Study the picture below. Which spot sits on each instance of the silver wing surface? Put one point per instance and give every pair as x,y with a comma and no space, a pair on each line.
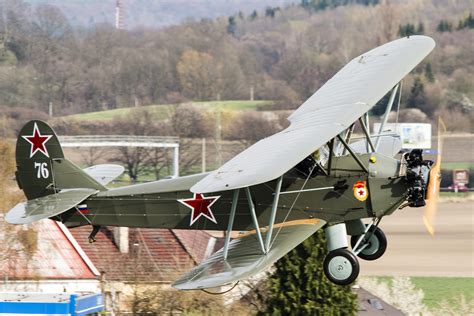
353,91
104,173
47,206
245,257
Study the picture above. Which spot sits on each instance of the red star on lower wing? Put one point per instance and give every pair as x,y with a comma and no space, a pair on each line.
200,205
37,141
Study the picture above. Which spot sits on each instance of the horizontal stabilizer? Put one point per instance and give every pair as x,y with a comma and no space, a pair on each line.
104,173
47,206
245,257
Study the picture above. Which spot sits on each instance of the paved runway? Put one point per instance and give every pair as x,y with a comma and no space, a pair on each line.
411,251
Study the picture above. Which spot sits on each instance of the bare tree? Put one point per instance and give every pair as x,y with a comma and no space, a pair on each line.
134,159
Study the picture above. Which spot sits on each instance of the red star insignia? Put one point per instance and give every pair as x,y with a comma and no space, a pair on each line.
37,141
200,206
361,192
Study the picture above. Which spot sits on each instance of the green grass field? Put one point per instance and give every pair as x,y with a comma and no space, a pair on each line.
457,165
441,289
438,290
162,111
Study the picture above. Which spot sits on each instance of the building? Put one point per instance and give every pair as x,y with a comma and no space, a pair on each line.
57,264
133,259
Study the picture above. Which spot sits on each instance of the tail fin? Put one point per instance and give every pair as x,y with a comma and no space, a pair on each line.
41,167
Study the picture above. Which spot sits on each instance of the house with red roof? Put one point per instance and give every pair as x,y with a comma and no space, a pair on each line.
128,258
120,260
58,264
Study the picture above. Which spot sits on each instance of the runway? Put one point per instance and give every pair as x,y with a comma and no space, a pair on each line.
412,251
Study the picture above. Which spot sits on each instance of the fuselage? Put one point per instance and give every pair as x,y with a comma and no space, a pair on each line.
347,193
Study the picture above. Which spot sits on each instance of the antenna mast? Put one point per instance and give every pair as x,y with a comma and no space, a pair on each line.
119,15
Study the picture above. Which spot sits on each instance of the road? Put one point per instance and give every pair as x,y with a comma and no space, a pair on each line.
411,251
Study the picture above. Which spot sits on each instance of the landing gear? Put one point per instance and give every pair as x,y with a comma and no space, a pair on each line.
372,246
95,230
341,266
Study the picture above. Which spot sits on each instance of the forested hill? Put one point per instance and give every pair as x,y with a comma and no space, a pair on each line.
144,13
281,54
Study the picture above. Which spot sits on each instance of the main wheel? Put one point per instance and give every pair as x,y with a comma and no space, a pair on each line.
377,244
341,267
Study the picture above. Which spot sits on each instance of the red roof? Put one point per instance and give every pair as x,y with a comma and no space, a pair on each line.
55,258
154,254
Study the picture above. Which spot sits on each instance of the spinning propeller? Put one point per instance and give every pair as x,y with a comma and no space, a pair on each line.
432,192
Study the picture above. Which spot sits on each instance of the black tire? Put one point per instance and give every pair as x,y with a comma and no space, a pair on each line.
341,267
377,245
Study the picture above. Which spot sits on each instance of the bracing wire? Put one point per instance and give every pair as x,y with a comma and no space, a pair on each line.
293,204
149,252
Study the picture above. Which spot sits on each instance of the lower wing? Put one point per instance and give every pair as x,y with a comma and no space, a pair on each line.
245,257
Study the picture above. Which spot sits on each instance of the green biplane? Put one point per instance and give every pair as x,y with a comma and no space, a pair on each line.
278,192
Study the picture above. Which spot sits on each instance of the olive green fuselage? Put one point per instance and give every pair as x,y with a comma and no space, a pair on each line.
328,197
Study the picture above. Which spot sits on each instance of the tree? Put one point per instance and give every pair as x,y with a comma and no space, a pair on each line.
406,30
198,75
420,29
139,123
444,26
429,72
249,127
188,123
231,25
254,15
271,11
298,285
417,98
467,22
16,241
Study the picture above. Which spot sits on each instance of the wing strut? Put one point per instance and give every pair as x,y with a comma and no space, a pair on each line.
273,214
254,219
349,149
387,112
367,135
265,247
235,200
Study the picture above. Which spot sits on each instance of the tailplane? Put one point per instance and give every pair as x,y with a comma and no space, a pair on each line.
41,167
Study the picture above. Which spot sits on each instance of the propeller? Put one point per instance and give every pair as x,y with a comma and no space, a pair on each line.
432,192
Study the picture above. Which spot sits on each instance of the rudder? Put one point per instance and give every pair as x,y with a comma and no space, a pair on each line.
36,146
41,167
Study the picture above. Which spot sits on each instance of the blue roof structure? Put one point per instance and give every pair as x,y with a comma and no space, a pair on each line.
50,303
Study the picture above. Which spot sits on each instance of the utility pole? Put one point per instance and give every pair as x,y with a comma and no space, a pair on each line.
251,93
217,135
50,109
203,157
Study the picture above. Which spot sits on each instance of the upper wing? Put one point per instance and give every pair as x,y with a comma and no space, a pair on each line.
47,206
332,109
104,173
245,257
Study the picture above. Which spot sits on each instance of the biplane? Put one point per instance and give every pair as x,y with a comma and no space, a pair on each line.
314,174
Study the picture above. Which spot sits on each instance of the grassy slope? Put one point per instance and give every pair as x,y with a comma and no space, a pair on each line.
162,110
439,289
458,165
